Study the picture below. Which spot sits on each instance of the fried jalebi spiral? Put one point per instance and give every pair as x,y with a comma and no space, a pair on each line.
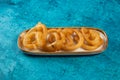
92,39
29,41
35,37
51,45
70,44
58,39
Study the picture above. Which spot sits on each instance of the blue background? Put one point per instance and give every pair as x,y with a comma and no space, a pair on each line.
19,15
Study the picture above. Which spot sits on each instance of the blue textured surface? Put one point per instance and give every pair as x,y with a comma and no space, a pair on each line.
18,15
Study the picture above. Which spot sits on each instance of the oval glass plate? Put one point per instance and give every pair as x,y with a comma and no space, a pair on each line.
79,51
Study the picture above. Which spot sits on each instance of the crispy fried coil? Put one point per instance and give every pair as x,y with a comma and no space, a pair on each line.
92,39
70,43
36,37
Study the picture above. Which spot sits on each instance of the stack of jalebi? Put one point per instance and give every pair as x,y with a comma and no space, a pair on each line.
61,39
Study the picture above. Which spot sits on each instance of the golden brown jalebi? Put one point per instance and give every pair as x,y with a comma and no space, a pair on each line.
35,37
92,39
70,43
29,41
52,45
56,39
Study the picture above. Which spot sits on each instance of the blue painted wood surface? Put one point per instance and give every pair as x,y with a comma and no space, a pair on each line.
19,15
